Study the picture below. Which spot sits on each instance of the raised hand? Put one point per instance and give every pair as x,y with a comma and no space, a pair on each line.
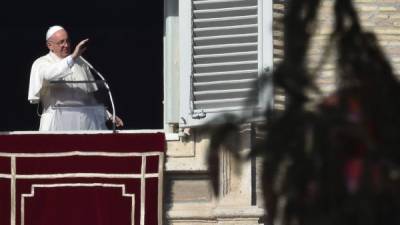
80,48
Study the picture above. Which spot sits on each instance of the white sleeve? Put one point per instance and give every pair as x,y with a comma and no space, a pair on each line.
44,70
55,71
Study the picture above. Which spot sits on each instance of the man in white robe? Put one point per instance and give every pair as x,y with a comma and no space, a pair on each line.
66,106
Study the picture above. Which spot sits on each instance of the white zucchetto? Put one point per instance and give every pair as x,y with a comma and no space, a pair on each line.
52,30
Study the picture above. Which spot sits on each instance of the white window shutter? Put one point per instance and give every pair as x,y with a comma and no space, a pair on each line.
225,46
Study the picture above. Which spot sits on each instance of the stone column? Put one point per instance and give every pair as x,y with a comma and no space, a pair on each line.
237,187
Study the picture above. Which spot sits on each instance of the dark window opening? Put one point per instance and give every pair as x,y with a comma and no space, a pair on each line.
125,46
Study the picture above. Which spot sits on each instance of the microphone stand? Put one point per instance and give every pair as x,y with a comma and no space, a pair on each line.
108,91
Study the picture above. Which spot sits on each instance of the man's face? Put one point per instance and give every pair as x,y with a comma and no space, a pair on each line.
59,44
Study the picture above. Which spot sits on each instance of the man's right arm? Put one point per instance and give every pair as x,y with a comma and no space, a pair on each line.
55,71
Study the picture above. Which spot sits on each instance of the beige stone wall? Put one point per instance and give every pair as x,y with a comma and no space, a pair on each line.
383,17
379,16
189,199
278,11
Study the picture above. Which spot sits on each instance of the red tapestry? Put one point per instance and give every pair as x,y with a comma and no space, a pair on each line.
81,179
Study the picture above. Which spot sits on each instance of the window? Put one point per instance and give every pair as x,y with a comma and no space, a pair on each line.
215,51
125,46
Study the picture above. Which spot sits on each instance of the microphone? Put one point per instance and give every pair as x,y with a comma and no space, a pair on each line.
107,87
86,62
97,72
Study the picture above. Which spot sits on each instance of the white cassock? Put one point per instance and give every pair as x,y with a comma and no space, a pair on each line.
66,106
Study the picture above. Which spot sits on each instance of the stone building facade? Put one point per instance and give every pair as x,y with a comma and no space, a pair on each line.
189,197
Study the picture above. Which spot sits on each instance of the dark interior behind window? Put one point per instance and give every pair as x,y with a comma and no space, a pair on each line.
125,46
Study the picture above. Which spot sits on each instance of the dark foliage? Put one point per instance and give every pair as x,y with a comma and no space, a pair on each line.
336,162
